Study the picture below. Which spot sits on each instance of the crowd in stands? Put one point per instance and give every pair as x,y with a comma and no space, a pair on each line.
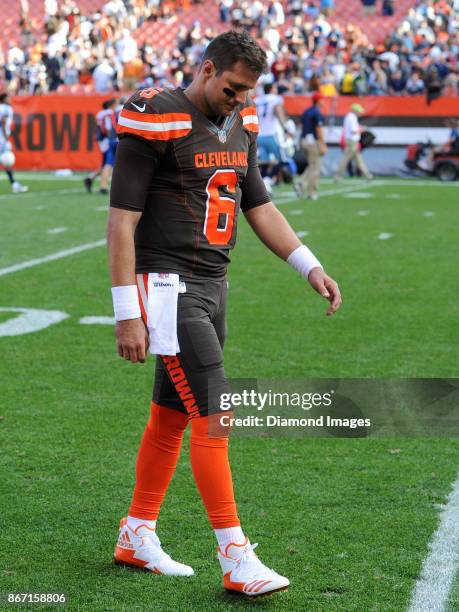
307,50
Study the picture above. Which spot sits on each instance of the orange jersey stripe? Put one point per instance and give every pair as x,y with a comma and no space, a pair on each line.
166,135
250,110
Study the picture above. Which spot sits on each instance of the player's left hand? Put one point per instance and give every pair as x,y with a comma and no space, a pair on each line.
327,288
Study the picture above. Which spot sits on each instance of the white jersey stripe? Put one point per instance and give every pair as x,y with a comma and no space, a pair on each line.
155,127
249,119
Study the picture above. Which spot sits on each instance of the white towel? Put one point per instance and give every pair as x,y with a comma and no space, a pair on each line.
163,290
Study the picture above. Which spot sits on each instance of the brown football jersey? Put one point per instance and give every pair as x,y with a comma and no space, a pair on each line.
189,176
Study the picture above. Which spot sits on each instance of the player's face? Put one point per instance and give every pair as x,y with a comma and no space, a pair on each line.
228,90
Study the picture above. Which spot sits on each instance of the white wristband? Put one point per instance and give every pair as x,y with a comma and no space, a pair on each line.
303,261
126,302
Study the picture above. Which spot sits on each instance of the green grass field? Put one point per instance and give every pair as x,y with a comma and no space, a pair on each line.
348,521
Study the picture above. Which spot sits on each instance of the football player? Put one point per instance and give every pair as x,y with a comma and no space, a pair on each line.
186,165
108,141
271,116
7,157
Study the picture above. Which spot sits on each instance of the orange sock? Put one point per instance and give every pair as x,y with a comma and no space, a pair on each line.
212,473
158,455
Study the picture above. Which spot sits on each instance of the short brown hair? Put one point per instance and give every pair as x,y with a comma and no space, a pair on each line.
231,47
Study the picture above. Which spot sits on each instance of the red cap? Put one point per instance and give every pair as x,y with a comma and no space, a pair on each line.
316,96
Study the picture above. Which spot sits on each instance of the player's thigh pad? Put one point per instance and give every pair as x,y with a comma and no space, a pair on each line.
200,358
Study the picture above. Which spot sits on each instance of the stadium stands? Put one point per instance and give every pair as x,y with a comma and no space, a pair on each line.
60,46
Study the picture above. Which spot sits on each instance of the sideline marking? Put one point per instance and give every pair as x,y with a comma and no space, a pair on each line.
97,320
393,196
441,564
57,230
59,255
290,196
36,194
359,195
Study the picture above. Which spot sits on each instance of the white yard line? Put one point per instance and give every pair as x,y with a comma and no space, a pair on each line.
97,320
286,197
440,567
414,183
349,187
37,194
59,255
57,230
44,176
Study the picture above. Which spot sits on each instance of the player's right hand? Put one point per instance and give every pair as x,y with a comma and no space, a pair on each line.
132,340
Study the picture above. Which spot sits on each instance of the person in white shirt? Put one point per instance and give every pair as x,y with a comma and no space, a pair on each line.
352,131
126,47
271,113
7,157
103,77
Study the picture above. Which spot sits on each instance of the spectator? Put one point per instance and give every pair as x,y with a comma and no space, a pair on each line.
415,85
276,13
309,53
433,83
126,47
388,8
54,71
377,81
311,9
225,10
326,7
397,83
369,7
104,75
451,84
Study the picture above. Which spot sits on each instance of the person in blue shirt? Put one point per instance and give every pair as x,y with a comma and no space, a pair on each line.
313,144
453,141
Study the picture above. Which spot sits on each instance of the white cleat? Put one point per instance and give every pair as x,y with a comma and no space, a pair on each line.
18,188
141,548
298,188
268,184
244,573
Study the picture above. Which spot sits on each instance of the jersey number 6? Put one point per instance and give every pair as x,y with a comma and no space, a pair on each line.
220,209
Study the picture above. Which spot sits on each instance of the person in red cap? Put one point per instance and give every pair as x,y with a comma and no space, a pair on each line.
313,144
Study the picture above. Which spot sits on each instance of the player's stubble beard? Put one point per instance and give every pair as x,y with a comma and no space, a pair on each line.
215,109
218,107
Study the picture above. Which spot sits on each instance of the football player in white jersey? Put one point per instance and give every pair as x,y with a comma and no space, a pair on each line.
7,157
271,113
